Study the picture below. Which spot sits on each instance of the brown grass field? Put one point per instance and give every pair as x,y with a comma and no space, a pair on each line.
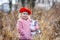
49,24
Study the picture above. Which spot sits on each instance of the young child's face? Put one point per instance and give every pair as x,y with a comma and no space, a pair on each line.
25,15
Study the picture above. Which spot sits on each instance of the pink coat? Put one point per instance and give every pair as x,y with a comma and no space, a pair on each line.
23,27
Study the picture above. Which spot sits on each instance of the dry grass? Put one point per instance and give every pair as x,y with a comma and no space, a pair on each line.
47,24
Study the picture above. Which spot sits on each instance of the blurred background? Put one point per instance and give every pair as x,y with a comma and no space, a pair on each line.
46,12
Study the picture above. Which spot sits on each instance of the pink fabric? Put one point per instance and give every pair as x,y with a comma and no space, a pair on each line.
23,27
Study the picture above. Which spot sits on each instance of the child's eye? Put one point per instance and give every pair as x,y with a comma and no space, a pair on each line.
25,13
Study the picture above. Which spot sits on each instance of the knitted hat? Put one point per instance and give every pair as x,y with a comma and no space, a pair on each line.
23,9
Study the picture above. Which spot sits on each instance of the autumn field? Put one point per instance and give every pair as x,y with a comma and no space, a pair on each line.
49,24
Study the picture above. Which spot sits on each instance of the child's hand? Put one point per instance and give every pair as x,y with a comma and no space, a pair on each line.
21,34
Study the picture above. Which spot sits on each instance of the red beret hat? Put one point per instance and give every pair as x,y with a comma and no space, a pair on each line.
23,9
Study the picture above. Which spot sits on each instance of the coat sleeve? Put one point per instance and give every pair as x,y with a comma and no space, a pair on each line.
20,27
